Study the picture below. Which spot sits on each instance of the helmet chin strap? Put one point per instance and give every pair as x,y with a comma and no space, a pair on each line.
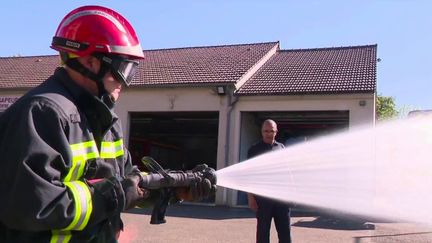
97,78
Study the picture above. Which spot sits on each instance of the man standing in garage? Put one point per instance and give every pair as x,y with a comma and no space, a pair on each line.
267,209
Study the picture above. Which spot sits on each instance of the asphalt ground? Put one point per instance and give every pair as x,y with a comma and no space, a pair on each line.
217,224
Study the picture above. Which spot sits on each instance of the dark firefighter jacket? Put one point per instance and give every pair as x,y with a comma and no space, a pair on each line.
53,141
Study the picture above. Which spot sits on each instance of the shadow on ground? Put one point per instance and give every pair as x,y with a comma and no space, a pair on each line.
313,219
201,212
214,212
325,222
337,220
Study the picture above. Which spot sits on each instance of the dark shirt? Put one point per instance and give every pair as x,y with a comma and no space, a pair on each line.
261,147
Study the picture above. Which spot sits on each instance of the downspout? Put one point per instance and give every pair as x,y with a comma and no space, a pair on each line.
232,100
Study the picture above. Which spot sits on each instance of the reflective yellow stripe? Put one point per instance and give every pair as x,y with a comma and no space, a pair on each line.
60,236
111,150
83,205
81,152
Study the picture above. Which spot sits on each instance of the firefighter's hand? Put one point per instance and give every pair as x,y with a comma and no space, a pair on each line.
252,203
134,195
203,187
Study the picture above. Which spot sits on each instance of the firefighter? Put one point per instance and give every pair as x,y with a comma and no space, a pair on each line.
65,175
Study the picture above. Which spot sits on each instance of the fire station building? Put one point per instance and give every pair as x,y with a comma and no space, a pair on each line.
195,105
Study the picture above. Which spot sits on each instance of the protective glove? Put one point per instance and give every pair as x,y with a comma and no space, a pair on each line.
252,202
202,187
155,196
134,195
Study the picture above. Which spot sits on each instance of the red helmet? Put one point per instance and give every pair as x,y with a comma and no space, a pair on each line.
95,29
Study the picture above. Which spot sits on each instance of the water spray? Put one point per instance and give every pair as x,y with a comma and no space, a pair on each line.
384,171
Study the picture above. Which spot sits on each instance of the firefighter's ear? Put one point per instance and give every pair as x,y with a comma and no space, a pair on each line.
94,64
90,62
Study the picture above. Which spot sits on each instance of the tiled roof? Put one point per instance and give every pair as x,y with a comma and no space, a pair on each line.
316,71
324,70
193,66
200,65
26,72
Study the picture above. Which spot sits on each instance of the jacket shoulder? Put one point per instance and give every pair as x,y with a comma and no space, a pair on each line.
51,94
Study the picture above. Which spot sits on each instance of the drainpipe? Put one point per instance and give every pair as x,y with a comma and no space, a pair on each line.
232,100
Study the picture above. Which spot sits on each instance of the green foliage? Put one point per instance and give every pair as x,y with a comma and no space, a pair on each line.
385,108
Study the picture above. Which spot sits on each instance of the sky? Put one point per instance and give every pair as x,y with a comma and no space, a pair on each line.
402,29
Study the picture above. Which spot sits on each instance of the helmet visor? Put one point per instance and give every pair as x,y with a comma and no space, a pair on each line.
122,69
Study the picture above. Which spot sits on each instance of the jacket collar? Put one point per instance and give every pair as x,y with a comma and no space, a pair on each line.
91,105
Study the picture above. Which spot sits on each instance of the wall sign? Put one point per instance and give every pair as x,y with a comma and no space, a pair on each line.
5,102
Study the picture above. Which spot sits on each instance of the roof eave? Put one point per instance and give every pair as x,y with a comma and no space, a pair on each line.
303,93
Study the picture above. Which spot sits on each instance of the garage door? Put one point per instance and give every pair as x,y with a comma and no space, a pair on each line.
177,140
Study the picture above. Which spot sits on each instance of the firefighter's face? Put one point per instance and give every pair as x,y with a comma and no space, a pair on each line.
268,132
112,85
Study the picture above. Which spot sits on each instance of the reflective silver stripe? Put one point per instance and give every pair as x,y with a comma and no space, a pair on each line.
81,152
129,50
83,205
115,21
60,236
110,150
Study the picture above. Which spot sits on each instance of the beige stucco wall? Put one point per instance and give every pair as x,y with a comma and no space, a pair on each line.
359,115
206,99
175,99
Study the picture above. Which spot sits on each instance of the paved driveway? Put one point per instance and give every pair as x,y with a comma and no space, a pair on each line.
209,224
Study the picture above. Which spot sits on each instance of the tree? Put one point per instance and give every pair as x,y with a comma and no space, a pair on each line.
385,108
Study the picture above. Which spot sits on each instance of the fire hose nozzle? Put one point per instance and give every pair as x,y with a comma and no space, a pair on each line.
160,178
173,184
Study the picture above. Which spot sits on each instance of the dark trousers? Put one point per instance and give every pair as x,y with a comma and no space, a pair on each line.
268,210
